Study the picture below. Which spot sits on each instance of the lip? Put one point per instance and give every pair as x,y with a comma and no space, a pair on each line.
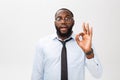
63,29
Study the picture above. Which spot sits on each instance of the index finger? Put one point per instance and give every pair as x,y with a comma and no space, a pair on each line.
84,29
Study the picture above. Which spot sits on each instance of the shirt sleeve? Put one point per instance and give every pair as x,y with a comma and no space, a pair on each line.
94,66
37,72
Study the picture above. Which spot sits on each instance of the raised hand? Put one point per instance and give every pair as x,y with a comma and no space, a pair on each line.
84,39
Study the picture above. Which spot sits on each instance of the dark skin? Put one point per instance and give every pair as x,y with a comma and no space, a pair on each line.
64,22
64,27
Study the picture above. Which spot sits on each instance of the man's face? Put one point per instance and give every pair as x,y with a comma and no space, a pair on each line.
64,22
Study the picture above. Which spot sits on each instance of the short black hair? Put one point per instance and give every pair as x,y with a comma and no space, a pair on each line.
65,10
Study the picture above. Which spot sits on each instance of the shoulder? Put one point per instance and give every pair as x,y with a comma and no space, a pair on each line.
45,39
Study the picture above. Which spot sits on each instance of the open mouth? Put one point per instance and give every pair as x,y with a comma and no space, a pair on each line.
63,28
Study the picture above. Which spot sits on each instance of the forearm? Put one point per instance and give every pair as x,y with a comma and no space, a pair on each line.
93,64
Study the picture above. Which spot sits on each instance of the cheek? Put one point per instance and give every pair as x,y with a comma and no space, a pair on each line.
57,24
70,25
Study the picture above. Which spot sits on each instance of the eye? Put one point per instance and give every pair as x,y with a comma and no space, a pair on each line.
67,19
58,19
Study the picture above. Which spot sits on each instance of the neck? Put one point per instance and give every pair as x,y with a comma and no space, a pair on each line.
63,37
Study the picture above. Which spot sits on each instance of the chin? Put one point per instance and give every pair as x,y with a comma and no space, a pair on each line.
64,32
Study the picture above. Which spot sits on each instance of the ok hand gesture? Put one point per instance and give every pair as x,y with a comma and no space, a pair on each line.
86,38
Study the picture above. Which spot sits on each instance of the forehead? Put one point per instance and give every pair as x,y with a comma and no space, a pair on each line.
63,13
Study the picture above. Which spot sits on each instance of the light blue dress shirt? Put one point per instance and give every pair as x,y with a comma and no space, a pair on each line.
47,61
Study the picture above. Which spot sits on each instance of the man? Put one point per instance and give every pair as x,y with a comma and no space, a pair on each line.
64,55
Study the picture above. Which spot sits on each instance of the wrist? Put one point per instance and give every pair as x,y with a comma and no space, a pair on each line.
89,52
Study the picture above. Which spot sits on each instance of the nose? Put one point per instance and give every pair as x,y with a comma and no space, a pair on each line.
63,21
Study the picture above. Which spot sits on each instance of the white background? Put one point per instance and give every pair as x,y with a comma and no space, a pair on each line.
24,22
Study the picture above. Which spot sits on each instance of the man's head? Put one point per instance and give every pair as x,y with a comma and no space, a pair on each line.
64,22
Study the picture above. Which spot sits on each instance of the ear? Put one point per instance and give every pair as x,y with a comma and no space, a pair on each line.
54,22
